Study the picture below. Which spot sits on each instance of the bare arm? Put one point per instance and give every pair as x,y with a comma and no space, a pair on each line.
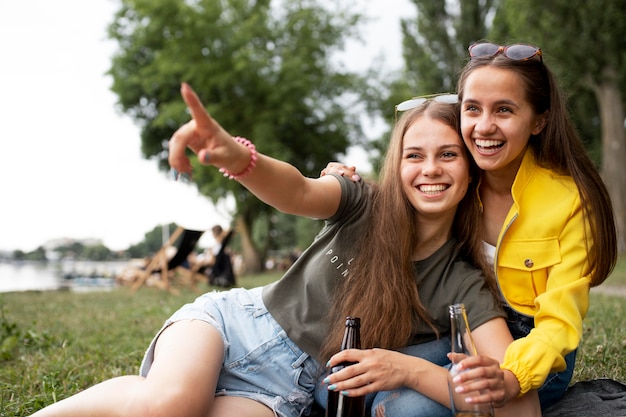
275,182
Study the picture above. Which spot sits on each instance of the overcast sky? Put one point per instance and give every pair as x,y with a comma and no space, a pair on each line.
70,165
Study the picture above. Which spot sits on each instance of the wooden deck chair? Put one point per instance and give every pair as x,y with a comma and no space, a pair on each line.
184,240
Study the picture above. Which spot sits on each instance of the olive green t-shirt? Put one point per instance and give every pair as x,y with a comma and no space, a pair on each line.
300,299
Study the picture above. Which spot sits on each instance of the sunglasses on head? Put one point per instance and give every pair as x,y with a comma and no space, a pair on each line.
516,52
418,101
414,102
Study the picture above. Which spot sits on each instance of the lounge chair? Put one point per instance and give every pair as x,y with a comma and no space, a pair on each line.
184,241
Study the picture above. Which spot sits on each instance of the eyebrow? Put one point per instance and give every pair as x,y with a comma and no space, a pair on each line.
439,148
497,102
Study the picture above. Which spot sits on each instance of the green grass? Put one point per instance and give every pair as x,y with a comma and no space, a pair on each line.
55,344
618,277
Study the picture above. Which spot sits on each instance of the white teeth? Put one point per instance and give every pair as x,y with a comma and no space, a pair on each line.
483,143
432,189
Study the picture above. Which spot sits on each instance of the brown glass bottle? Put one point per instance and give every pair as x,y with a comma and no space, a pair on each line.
340,405
462,343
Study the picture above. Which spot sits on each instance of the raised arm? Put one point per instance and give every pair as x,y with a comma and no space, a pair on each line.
277,183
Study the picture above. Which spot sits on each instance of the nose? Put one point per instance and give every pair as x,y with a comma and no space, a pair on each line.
485,124
431,167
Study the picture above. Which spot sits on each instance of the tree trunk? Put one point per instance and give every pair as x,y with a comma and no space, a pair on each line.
251,256
613,148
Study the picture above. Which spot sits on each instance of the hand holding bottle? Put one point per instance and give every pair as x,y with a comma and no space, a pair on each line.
373,370
483,376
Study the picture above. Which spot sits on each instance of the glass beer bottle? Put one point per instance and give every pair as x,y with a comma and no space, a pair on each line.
339,405
462,343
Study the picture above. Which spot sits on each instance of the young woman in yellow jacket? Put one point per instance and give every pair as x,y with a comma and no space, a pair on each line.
547,219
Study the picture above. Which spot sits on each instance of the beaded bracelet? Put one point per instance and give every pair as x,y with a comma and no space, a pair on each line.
251,165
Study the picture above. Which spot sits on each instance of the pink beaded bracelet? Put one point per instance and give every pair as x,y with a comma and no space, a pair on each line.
251,165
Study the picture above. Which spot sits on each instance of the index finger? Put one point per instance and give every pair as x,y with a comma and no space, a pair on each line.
198,112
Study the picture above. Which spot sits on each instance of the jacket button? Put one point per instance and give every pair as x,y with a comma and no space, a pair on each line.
529,263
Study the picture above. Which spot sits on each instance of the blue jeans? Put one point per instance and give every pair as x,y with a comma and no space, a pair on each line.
556,383
404,402
260,362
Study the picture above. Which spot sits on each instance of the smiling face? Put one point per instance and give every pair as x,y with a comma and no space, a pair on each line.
434,168
496,119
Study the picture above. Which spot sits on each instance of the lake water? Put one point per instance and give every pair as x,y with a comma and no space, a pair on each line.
45,276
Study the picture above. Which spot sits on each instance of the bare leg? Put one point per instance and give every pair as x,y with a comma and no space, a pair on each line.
182,380
238,406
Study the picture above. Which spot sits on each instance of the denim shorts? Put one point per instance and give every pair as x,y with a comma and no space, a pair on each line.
260,362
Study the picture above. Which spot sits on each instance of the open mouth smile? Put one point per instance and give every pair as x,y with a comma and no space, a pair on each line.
488,146
432,189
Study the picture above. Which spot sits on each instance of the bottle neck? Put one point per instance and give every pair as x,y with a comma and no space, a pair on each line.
459,331
352,334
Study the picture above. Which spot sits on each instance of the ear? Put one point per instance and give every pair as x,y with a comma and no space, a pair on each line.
540,123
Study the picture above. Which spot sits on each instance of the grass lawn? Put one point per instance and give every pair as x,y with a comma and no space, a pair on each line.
57,343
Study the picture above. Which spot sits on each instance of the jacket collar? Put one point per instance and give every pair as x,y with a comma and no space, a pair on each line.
524,173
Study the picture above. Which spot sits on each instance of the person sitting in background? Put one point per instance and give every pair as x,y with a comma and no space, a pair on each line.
221,273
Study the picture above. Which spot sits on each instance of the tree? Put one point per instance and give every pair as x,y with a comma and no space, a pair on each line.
152,243
434,48
585,44
96,253
264,72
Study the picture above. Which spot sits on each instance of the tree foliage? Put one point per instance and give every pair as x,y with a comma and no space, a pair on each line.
434,47
435,43
38,254
262,68
152,243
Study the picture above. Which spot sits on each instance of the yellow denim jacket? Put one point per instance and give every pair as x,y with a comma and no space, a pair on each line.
542,270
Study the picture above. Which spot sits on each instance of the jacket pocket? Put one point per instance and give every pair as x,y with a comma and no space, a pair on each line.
523,269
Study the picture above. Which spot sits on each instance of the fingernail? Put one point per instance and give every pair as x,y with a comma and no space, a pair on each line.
327,364
332,387
326,380
344,393
206,157
459,389
174,174
185,177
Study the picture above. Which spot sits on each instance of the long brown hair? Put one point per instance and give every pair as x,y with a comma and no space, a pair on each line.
558,147
381,287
